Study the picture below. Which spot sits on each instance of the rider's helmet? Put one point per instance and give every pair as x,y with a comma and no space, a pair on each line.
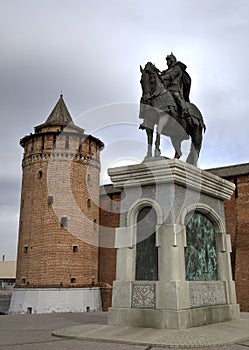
171,57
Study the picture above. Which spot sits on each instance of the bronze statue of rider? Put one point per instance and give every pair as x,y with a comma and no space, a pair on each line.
178,82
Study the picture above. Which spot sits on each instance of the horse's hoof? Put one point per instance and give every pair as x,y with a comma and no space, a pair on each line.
178,155
147,159
157,153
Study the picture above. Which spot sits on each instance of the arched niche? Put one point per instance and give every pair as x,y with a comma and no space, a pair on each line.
138,205
134,216
201,257
206,210
146,250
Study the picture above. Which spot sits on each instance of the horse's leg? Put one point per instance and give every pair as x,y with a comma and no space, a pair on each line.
149,133
162,122
157,145
196,141
176,142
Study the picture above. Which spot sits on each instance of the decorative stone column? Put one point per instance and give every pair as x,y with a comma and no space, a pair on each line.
173,189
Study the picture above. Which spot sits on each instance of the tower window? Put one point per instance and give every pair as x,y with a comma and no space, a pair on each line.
39,174
50,199
67,142
42,143
89,204
95,224
64,221
73,280
54,141
90,147
32,144
75,248
25,249
24,280
80,145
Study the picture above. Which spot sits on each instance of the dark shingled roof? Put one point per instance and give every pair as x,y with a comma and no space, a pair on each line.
60,114
60,117
230,170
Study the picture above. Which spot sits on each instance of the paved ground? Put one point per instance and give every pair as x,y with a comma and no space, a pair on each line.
26,332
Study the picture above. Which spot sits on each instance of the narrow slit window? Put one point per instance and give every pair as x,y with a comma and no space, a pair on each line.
64,221
67,142
32,144
42,143
54,141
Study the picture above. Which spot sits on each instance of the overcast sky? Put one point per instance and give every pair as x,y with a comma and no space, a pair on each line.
91,51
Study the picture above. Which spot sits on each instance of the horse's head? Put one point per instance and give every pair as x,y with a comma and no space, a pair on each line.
150,81
145,83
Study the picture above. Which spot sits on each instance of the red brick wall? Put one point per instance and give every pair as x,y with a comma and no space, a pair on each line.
237,221
109,220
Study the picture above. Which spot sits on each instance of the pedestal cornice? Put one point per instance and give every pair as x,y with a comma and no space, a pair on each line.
171,171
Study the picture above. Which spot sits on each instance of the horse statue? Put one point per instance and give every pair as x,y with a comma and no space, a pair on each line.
158,108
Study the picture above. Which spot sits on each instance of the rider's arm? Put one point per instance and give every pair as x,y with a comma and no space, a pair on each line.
175,73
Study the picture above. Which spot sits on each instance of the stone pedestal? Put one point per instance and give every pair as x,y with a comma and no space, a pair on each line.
173,189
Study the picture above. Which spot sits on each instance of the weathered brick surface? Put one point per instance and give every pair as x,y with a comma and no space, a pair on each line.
237,222
70,176
109,220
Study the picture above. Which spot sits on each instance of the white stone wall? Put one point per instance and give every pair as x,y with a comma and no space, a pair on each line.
55,300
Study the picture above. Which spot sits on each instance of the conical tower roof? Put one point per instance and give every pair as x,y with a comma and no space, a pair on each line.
59,116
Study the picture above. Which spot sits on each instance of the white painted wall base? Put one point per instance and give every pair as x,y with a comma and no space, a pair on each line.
55,300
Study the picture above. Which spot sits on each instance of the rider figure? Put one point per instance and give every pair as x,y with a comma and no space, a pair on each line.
178,82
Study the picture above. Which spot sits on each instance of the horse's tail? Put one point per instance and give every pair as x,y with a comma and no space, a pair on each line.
196,116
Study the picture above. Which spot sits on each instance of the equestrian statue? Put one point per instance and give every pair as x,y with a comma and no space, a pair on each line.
165,104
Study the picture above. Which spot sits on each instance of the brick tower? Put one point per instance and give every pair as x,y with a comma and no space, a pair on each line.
57,263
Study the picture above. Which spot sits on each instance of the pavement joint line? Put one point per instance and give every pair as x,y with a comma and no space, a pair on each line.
247,346
34,342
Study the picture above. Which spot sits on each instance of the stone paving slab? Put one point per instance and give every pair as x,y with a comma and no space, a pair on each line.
206,336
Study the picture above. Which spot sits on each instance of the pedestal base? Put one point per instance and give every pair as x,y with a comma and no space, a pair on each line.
194,285
172,319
